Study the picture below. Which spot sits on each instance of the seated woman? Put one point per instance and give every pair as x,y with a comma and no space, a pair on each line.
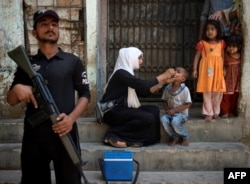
132,124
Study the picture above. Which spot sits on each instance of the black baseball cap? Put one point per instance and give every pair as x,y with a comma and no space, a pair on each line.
41,13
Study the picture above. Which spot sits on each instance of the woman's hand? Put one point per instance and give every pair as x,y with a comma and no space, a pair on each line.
164,78
168,76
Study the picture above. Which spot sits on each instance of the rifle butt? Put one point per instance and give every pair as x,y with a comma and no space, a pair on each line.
19,56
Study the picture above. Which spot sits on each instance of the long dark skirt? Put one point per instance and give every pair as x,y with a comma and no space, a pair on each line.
140,125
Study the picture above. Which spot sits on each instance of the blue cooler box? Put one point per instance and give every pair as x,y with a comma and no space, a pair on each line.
118,165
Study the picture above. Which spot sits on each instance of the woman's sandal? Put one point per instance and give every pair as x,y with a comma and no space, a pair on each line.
135,144
116,143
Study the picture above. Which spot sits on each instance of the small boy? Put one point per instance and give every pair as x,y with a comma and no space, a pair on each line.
177,101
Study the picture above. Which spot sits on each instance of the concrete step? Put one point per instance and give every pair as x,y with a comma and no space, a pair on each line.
213,147
198,156
221,130
95,177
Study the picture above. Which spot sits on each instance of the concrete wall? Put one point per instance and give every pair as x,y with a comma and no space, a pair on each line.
73,38
244,103
91,48
12,35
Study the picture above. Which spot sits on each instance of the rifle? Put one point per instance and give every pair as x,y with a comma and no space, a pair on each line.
46,102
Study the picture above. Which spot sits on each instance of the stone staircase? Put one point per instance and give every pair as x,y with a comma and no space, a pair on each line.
213,147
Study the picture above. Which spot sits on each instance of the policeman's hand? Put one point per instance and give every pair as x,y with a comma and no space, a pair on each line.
24,93
64,125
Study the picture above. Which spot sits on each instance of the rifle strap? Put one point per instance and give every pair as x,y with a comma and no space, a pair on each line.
83,175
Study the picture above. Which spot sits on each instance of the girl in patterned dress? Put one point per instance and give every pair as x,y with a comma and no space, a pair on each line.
232,66
208,68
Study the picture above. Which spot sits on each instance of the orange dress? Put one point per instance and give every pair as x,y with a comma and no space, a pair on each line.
210,77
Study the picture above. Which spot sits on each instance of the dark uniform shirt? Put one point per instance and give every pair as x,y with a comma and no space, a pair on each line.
63,73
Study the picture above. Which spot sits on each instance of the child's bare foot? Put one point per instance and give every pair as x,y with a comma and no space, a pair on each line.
172,142
185,142
232,115
216,116
225,116
208,118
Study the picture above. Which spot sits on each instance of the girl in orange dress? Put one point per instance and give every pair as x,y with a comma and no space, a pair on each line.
208,68
232,67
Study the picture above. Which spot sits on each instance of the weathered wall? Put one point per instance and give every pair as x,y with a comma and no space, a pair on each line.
244,104
71,24
73,38
91,48
12,35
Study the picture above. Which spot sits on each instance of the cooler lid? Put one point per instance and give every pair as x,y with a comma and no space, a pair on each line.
118,155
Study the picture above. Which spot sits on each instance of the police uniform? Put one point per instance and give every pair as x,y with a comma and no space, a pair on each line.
64,74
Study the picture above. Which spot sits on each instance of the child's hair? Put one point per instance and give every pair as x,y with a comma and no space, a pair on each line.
185,72
217,26
235,40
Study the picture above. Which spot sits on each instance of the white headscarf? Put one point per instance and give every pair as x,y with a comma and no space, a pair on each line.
128,59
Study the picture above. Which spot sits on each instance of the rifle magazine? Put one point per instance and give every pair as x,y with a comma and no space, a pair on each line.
38,118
